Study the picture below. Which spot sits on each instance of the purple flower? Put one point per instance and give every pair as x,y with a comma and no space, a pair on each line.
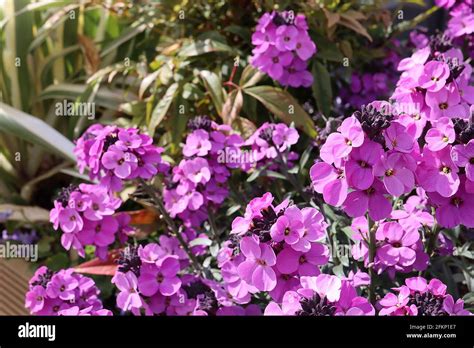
434,76
398,247
359,167
463,156
446,103
330,181
396,177
371,200
128,297
122,163
288,227
439,137
339,145
438,173
197,144
257,267
161,279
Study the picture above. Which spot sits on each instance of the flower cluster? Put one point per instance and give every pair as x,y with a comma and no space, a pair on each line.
198,181
271,248
420,298
461,22
322,295
283,48
377,83
268,144
153,281
113,154
398,249
86,216
63,293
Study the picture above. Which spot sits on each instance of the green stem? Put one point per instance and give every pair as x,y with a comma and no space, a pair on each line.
433,238
408,25
171,224
372,251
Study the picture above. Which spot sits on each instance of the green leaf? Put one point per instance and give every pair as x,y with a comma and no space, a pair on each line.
284,106
250,77
213,85
34,130
160,110
322,91
197,48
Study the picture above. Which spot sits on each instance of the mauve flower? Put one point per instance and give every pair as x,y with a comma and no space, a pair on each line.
324,285
454,308
339,145
397,138
446,103
396,177
455,209
290,305
441,135
330,181
197,144
351,304
286,37
35,298
162,278
417,59
257,267
284,136
122,163
372,200
288,227
196,170
359,167
397,304
437,172
128,298
461,25
463,156
398,247
434,76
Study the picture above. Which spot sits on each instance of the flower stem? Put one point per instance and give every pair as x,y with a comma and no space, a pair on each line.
157,201
372,251
433,237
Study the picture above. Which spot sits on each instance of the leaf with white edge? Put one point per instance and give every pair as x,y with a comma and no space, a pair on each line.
200,241
35,131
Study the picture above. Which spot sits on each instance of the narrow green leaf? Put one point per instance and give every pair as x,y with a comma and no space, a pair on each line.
213,85
284,106
160,110
197,48
322,91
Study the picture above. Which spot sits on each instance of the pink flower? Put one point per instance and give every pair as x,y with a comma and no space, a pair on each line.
122,163
434,76
446,103
361,161
288,227
290,305
257,268
324,285
399,245
371,199
162,278
128,298
417,59
396,177
438,173
339,145
314,228
463,156
397,138
441,135
397,304
454,210
453,308
197,144
330,181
